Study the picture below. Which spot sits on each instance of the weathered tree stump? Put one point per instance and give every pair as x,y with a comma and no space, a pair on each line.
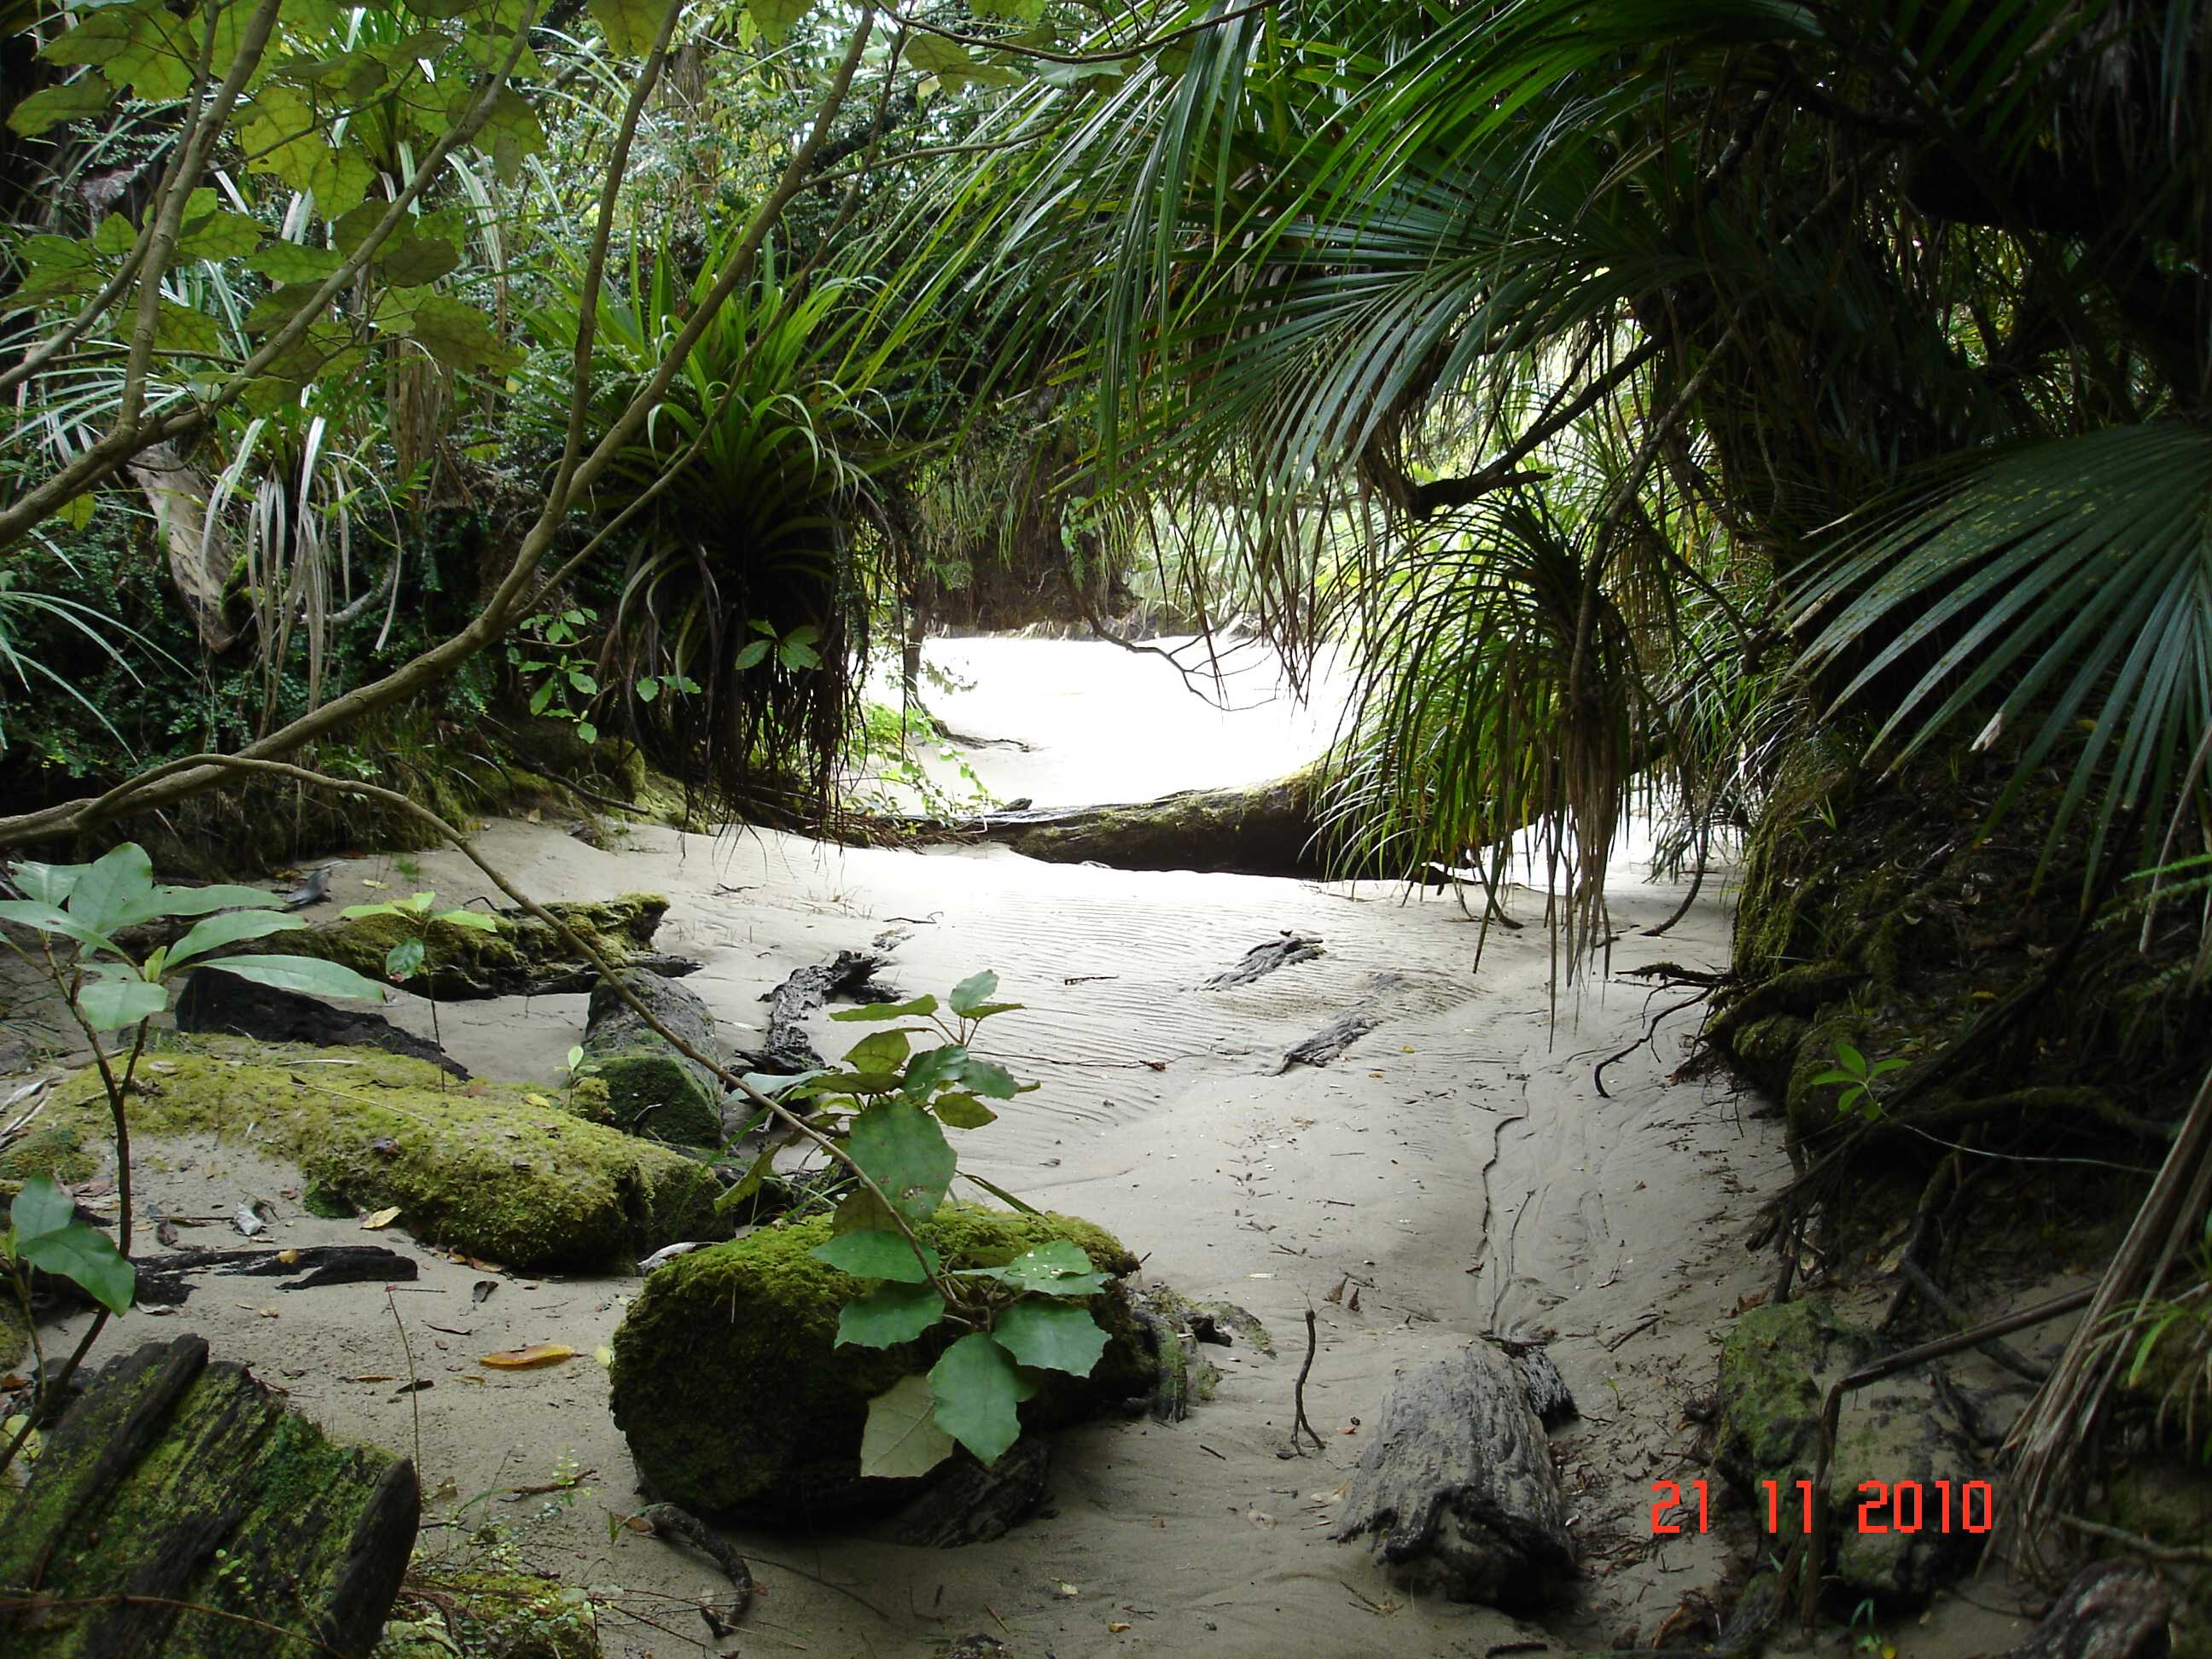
653,1090
2113,1610
1456,1487
180,1510
215,1001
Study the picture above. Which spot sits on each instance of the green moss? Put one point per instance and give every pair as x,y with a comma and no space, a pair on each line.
491,1173
653,1091
497,1614
473,962
68,1152
728,1381
14,1334
1770,1396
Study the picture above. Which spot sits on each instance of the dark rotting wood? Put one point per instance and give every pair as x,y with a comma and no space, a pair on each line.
224,1003
1456,1486
2112,1610
1265,959
163,1281
679,1525
850,974
1340,1034
180,1508
1541,1381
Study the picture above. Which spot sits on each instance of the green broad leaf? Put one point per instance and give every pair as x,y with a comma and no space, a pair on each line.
647,689
229,928
54,267
963,1111
774,18
1851,1058
511,134
475,920
902,1438
977,1388
972,993
863,1083
49,884
627,26
77,511
310,974
752,657
40,1208
797,1084
111,887
457,334
159,57
111,1005
878,1051
1012,1201
404,960
904,1151
584,683
87,1256
862,1211
174,902
933,1068
48,920
875,1012
219,235
586,732
888,1315
115,236
1054,1267
85,99
992,1082
409,261
1053,1338
1017,11
745,1189
186,332
277,308
1071,75
795,656
760,627
874,1254
288,262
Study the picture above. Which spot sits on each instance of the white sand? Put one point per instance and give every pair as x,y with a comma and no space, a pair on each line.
1456,1167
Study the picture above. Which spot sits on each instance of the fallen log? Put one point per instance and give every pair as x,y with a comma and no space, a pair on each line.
224,1003
1261,829
653,1089
1340,1033
163,1281
180,1509
1456,1487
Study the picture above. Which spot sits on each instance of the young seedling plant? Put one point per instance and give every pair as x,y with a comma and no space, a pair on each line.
80,912
1858,1075
406,958
1031,1315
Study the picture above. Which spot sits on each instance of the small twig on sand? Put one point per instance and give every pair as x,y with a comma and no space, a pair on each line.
1298,1394
670,1523
414,1384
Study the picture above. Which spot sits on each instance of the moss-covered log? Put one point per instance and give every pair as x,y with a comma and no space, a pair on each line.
652,1089
1261,830
517,956
503,1172
180,1509
735,1399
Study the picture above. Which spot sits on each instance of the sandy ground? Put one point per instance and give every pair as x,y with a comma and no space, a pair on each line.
1456,1169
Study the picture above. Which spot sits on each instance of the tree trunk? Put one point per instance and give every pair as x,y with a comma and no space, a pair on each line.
1262,829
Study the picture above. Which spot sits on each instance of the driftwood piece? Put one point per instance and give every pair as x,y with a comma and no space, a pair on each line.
2112,1610
1265,959
214,1001
653,1088
1340,1033
180,1509
1456,1487
850,974
164,1281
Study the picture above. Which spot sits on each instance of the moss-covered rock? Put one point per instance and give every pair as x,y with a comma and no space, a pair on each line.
495,1169
68,1152
492,1614
14,1334
735,1399
1776,1367
512,956
652,1089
